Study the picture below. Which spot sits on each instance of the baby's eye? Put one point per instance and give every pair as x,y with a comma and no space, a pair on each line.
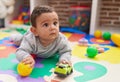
45,25
55,23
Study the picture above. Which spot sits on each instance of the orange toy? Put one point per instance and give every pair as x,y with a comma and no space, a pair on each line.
24,70
18,22
98,34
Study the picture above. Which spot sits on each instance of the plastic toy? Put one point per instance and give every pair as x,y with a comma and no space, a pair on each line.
21,30
23,17
77,21
79,18
116,39
97,34
71,30
100,49
24,70
17,22
72,20
63,70
106,35
83,42
92,51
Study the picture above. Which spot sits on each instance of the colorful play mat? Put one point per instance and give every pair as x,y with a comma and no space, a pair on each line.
105,67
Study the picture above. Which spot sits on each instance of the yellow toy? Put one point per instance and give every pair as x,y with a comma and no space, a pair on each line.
97,34
24,70
116,39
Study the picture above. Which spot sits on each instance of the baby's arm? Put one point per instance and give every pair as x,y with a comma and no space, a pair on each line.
65,51
24,51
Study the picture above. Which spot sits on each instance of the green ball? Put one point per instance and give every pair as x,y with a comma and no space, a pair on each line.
106,35
92,51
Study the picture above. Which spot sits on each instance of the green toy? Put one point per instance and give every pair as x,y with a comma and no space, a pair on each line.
63,70
21,30
92,51
106,35
71,20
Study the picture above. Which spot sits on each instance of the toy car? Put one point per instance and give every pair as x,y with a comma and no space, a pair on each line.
63,70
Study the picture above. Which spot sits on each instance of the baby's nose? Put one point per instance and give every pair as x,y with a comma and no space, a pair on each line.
53,26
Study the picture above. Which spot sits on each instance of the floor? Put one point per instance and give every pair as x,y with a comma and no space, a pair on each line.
105,67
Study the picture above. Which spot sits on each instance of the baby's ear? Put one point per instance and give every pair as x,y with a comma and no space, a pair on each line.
34,31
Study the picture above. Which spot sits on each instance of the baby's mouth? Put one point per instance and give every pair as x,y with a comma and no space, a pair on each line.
53,34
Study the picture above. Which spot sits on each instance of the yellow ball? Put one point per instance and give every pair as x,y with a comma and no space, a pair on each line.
24,70
97,34
116,39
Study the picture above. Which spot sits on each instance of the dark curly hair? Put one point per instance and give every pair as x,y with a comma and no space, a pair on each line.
38,11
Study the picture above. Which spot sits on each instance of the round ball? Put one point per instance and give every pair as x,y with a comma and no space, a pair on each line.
92,51
24,70
97,34
106,35
116,39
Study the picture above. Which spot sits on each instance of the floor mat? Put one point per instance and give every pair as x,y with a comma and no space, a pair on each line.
104,67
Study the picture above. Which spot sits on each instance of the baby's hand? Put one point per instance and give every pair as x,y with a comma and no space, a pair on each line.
66,62
29,60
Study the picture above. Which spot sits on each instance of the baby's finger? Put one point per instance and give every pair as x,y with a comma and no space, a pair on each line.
32,64
28,62
64,62
70,64
24,60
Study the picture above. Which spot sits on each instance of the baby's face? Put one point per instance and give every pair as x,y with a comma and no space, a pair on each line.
47,26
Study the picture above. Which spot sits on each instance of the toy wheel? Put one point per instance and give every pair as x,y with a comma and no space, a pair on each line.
67,74
71,70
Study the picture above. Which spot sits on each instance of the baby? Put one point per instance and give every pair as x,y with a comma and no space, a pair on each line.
43,39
